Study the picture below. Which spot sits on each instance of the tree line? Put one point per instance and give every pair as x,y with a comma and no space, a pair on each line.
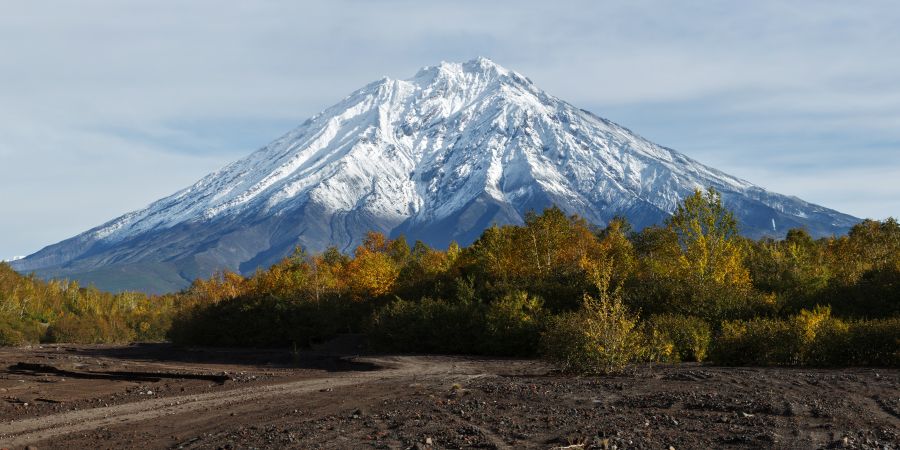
591,299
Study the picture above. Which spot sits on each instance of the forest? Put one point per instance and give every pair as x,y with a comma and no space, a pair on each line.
591,300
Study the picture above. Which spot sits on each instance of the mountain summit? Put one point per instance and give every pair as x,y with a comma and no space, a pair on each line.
436,157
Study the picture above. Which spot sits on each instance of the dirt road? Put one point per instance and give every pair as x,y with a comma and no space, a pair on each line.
50,427
160,397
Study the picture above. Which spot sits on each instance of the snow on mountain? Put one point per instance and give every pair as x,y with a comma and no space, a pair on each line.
438,157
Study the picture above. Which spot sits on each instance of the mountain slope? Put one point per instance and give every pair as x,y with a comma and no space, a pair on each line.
436,157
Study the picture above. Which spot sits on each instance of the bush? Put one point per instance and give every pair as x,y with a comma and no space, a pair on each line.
755,342
809,338
656,346
771,341
689,336
71,329
263,321
16,332
150,327
601,338
874,343
91,329
428,326
509,326
876,294
513,325
11,338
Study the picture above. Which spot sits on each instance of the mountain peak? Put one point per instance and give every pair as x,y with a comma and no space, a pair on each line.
479,65
477,72
437,157
484,65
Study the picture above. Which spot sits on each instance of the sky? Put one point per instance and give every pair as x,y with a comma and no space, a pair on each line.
107,105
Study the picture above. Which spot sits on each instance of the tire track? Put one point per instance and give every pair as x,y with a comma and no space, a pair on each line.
28,431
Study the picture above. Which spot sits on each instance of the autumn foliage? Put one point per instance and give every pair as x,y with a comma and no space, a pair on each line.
689,289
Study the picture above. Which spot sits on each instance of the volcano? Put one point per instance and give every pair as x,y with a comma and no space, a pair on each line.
437,157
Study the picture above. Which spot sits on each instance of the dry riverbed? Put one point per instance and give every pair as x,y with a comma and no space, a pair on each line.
158,396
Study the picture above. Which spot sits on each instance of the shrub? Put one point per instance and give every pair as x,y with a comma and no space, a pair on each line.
810,338
830,346
876,294
16,332
150,327
508,326
70,329
11,338
872,343
91,329
656,346
428,326
766,341
263,321
689,336
512,325
601,338
755,342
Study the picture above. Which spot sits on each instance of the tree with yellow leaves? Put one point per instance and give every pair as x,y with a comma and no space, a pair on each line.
695,264
707,232
372,272
712,280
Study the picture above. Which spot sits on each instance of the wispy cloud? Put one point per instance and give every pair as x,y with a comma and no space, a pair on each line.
107,105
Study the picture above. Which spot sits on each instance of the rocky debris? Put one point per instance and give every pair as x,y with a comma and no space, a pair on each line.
473,406
643,411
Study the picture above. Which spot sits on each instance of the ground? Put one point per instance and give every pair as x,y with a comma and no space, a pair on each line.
159,396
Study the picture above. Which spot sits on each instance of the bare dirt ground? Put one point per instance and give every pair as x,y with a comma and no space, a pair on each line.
157,396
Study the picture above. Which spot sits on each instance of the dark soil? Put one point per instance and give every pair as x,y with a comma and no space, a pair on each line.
156,396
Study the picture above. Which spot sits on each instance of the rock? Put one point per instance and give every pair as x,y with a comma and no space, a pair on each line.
428,441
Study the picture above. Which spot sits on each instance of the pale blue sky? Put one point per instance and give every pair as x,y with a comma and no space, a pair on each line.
107,105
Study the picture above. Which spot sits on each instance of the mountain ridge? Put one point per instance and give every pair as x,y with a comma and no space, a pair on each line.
437,157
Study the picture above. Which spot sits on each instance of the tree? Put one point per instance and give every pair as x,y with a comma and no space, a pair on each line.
792,269
615,245
372,272
707,234
870,244
695,265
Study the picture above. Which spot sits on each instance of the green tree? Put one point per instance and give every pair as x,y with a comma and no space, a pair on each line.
791,269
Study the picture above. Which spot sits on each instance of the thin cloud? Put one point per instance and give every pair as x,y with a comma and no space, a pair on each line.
111,104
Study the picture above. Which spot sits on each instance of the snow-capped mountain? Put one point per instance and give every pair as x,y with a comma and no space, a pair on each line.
437,157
